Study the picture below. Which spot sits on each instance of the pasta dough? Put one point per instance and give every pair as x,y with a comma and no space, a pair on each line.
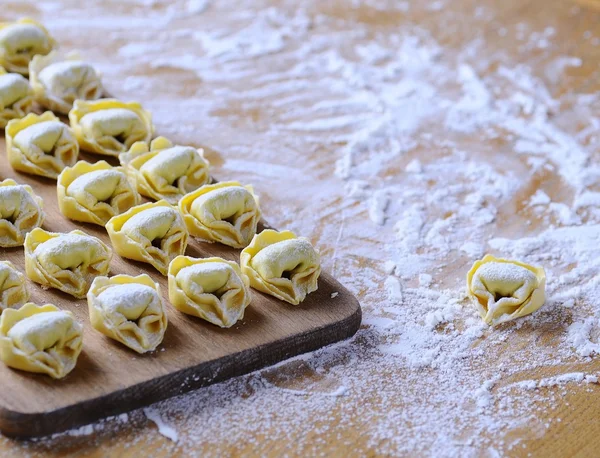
16,97
152,233
40,145
504,290
222,212
211,288
68,262
282,265
40,339
164,171
94,193
129,310
13,289
20,41
109,126
20,212
58,82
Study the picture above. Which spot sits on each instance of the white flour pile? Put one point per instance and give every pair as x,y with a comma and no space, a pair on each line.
404,160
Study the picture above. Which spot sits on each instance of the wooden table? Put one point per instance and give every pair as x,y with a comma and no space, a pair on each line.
241,121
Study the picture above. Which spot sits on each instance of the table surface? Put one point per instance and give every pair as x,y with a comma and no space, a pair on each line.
406,139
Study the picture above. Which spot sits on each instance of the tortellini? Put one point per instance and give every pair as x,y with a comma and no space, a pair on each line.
16,97
21,211
282,265
503,290
40,145
13,289
68,262
129,310
224,212
20,41
94,193
165,171
210,288
58,82
109,126
154,233
40,339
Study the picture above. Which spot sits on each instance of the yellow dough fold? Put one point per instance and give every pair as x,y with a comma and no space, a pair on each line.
213,289
282,265
40,339
13,287
65,261
21,211
94,193
16,97
129,310
20,41
153,233
40,145
503,290
109,126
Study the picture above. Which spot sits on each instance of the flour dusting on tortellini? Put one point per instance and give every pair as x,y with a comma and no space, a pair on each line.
129,310
13,287
94,193
20,41
16,97
282,265
40,145
21,211
40,339
68,262
210,288
503,290
154,233
58,82
162,170
224,212
109,126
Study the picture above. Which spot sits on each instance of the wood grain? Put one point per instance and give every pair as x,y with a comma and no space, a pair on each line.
110,379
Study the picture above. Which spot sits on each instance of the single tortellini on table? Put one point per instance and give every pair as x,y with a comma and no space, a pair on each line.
66,261
40,145
16,97
210,288
41,339
503,290
129,310
153,233
13,286
109,126
20,41
94,193
58,82
224,212
21,211
162,170
282,265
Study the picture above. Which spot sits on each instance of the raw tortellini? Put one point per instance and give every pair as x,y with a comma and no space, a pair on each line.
224,212
40,339
68,262
40,145
58,82
129,310
20,41
165,171
109,126
154,233
13,289
211,288
94,193
16,97
20,212
282,265
504,290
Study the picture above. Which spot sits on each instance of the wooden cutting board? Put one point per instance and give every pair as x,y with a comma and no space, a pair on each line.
110,379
